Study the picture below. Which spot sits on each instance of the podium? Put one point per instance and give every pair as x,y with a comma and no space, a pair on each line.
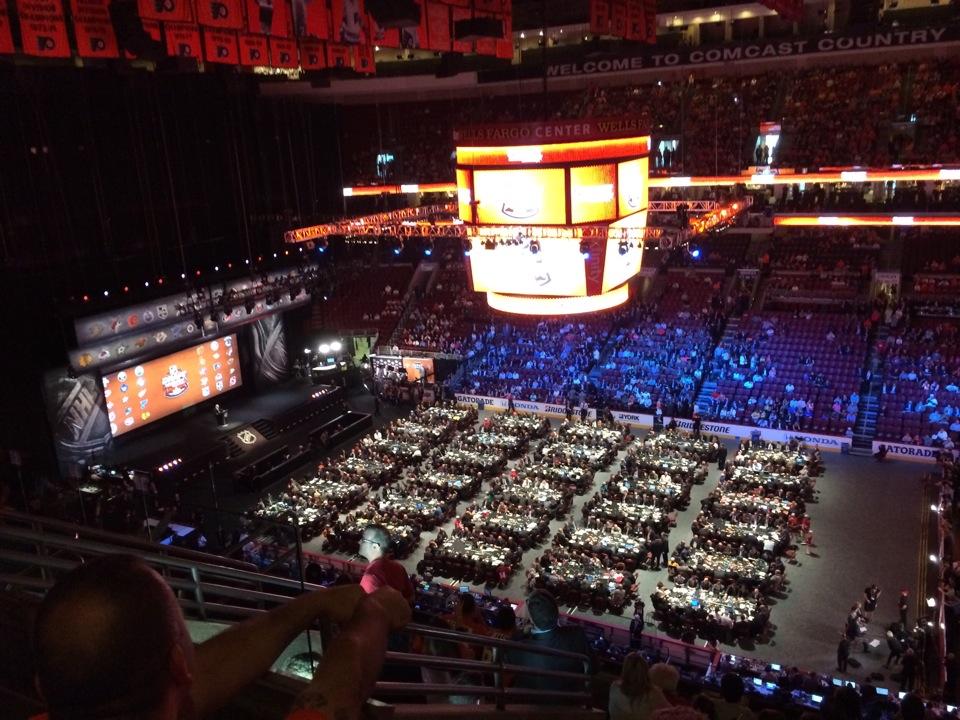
222,418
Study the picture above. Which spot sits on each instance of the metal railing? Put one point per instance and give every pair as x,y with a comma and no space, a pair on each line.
35,551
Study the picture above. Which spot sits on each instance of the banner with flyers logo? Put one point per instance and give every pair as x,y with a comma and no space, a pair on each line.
183,40
505,43
221,46
618,18
313,55
269,17
459,13
6,35
438,26
166,10
43,28
339,56
227,14
600,17
636,21
365,62
283,53
93,30
254,50
488,45
650,16
311,19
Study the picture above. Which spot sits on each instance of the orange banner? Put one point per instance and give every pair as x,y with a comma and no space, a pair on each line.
311,18
93,30
313,55
183,40
166,10
365,60
459,13
254,50
43,28
348,17
438,26
283,53
226,14
6,36
339,56
221,46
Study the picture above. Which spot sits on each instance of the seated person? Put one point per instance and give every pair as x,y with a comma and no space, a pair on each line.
110,641
546,633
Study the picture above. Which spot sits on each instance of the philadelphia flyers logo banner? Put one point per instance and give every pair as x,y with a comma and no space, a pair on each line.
226,14
6,37
339,56
43,29
166,10
254,50
313,55
93,30
183,40
283,53
311,18
221,47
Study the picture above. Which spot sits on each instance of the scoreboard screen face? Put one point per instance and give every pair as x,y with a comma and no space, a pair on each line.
632,185
592,193
557,270
619,267
520,197
464,195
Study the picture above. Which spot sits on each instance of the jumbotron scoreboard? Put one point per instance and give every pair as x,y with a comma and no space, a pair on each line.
555,213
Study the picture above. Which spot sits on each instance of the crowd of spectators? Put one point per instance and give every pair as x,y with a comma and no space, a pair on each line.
700,125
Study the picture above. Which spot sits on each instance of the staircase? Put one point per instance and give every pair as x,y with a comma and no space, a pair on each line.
420,286
265,428
709,385
865,427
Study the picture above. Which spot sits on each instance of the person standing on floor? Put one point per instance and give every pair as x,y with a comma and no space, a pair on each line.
843,653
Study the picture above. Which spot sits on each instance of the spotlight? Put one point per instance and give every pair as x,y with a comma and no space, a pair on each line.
324,348
322,245
306,351
931,602
428,248
932,507
106,293
695,252
534,246
933,558
336,346
622,247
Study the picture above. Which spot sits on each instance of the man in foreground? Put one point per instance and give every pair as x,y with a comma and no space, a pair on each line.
110,641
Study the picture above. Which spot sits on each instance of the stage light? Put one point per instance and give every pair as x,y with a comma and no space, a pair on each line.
336,346
216,268
86,298
695,252
931,602
935,508
126,288
933,558
247,261
306,351
322,245
106,293
198,273
324,348
183,276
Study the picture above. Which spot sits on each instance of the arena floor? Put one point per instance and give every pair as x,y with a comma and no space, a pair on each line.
867,528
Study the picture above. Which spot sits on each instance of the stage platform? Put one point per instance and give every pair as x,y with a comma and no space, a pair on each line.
259,424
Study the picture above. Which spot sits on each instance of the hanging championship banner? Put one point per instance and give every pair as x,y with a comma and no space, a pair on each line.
365,61
166,10
438,26
650,16
384,37
183,40
221,46
92,29
487,45
313,55
505,43
339,56
636,21
458,3
227,14
599,17
6,36
269,17
254,50
283,53
618,18
415,36
461,46
43,28
311,18
490,6
348,18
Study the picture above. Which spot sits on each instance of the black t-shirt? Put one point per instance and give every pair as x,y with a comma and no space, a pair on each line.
568,639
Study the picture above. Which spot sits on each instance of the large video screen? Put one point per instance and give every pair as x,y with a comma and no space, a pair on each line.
520,197
592,196
140,394
557,269
632,185
623,260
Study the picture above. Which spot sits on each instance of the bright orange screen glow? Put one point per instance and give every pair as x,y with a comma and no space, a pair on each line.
592,197
553,153
464,197
141,394
520,197
632,185
558,306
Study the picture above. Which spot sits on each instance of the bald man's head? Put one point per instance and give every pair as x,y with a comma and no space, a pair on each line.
104,638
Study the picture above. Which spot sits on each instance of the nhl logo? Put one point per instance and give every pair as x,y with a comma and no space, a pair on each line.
247,437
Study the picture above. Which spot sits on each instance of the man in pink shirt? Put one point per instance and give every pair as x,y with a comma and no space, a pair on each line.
383,570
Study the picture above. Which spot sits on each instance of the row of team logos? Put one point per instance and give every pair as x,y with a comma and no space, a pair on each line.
133,346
